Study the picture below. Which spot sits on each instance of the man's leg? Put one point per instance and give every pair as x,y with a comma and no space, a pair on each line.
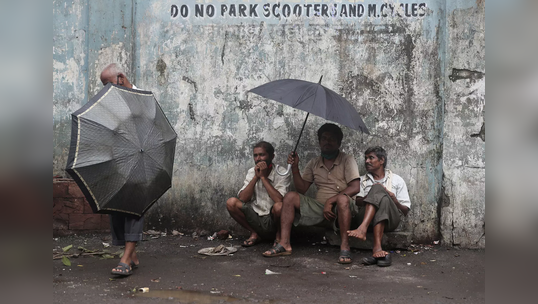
290,204
234,206
360,232
378,252
344,221
276,211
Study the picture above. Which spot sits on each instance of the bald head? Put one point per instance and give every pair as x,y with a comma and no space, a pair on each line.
114,74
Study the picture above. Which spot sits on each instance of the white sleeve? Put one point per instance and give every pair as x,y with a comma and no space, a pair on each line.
250,176
402,195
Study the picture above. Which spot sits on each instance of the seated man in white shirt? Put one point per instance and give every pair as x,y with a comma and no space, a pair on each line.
259,202
382,198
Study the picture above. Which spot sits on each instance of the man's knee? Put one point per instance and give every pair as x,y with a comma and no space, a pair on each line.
342,201
277,209
291,198
232,203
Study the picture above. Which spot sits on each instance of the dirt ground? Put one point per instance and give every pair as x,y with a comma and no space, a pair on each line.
174,272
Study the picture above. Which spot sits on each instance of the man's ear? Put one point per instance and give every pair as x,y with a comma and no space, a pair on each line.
121,79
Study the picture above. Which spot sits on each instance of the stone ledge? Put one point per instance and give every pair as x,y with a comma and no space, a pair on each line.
391,240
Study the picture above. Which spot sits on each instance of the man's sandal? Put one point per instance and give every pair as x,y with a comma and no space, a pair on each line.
133,265
122,270
251,242
277,250
384,261
345,257
369,261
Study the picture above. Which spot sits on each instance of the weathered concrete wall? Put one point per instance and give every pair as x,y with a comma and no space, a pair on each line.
464,155
393,69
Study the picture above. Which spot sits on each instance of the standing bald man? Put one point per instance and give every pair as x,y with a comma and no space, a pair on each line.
126,229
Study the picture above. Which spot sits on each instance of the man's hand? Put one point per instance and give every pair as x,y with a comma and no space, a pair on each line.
327,209
392,195
293,159
261,170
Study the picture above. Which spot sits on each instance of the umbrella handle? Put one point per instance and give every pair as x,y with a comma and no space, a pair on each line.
285,173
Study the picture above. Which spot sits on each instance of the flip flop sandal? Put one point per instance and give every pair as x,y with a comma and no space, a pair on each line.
277,250
251,242
122,270
369,261
384,261
345,257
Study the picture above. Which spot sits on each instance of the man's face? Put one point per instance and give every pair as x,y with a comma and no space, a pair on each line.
372,162
261,155
328,143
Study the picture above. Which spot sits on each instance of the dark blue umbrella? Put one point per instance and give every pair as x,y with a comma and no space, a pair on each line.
313,98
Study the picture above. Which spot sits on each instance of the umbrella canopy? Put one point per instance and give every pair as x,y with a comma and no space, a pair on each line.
122,150
313,98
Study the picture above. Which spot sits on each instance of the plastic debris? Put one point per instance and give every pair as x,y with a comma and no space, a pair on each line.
214,236
219,250
408,264
143,289
214,291
352,276
267,271
106,245
436,242
156,280
323,272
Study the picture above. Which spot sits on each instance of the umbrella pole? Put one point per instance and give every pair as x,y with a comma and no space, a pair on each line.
304,123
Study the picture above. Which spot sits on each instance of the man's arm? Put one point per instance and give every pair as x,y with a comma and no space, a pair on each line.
300,184
245,195
262,172
403,208
353,187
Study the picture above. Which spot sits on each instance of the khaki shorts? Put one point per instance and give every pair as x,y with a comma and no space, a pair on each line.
263,225
311,213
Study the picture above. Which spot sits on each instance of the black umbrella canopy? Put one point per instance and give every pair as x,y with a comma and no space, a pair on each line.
122,150
313,98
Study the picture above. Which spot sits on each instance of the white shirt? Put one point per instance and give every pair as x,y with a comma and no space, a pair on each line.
393,182
261,201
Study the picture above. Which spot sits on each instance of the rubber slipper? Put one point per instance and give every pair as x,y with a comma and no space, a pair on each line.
345,257
384,261
251,242
122,269
369,261
277,250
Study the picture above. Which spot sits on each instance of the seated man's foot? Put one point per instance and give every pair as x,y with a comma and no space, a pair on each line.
345,257
276,242
251,241
277,250
383,258
357,233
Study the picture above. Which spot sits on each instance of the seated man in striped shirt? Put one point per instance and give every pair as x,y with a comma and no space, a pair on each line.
381,200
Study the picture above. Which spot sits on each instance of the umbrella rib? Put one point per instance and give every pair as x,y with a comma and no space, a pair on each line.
299,101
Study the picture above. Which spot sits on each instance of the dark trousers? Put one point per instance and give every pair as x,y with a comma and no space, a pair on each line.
125,228
385,208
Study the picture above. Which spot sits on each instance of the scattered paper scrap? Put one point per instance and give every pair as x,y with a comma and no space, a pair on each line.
144,289
267,271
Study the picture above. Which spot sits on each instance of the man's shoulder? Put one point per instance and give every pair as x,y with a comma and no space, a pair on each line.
397,178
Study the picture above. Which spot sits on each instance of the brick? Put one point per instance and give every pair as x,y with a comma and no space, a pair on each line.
105,222
60,224
74,190
68,206
59,188
57,207
84,221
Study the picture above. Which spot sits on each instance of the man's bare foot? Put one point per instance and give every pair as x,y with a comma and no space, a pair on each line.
357,233
380,254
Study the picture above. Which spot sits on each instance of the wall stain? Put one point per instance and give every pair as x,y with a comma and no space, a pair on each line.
458,74
161,68
223,48
482,133
190,81
191,112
